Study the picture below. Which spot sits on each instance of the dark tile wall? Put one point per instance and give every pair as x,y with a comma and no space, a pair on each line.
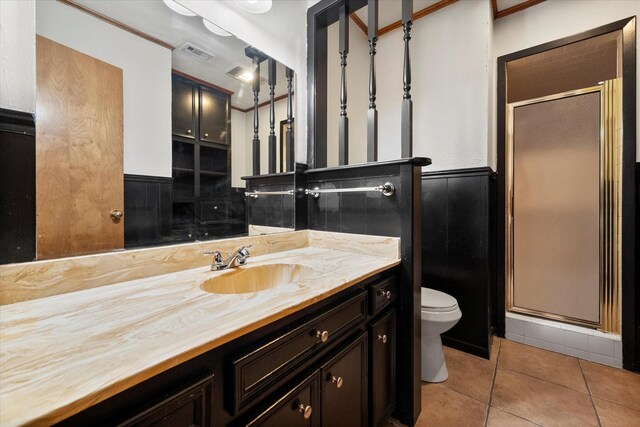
458,250
17,187
361,213
275,210
147,210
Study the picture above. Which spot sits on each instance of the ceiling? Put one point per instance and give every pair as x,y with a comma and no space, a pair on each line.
390,15
157,20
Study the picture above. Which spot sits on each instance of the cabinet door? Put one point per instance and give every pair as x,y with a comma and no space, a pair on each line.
344,386
297,408
382,374
189,407
214,111
183,107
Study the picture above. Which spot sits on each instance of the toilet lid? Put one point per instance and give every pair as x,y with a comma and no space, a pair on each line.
437,301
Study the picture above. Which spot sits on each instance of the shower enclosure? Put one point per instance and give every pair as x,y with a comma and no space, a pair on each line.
563,156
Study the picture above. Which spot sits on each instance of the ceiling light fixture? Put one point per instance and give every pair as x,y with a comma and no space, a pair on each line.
255,6
178,8
246,76
215,29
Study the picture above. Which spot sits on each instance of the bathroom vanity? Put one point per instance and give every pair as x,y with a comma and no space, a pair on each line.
315,345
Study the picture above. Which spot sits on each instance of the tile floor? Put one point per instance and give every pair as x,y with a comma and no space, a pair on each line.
528,386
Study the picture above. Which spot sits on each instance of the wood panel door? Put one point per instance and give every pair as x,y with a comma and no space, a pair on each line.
79,152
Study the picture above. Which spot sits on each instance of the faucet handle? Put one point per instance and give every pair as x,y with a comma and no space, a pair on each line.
217,256
244,250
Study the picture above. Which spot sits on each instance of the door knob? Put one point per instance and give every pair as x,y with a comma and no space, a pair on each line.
383,338
116,214
323,336
189,131
338,381
305,410
206,135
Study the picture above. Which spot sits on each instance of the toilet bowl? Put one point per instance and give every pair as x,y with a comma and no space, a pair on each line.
440,312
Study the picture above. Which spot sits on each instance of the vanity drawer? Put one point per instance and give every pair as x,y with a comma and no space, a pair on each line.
299,407
261,367
381,294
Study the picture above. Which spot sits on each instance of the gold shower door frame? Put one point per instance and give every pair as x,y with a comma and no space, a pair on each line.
609,205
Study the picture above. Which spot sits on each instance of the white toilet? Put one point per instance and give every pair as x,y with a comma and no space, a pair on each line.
440,312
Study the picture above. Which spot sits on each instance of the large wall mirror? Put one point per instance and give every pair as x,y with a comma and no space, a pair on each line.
147,119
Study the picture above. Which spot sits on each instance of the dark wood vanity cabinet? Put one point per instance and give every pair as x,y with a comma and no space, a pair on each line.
188,407
296,408
344,386
382,367
331,365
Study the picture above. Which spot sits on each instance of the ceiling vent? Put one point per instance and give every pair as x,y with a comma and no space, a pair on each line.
196,51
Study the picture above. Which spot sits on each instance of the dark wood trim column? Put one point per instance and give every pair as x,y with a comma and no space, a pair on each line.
343,123
372,114
289,139
406,122
272,115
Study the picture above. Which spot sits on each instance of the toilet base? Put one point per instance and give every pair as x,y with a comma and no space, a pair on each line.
434,368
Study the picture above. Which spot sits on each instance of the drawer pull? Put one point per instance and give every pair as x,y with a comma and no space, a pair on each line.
338,381
385,294
323,336
383,338
305,410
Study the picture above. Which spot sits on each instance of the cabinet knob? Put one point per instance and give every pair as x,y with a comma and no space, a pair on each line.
116,214
384,294
383,338
323,336
305,410
189,131
206,135
338,381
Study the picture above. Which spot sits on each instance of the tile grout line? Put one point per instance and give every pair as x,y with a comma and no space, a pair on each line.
493,382
590,395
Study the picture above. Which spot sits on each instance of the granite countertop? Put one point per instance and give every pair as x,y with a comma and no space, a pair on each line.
64,353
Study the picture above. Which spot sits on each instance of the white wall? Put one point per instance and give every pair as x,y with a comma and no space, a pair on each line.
552,20
239,148
449,54
280,33
263,134
146,81
18,55
450,88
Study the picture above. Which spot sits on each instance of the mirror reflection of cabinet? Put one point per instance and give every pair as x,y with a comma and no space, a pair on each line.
214,110
201,191
183,108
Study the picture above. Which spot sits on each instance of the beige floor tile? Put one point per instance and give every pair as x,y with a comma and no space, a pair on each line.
540,401
546,365
442,406
500,418
613,384
613,415
495,349
469,375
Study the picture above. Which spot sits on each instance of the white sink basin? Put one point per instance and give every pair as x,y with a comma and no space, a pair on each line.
257,278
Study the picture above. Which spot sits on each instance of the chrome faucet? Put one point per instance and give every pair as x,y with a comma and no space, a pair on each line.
238,258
